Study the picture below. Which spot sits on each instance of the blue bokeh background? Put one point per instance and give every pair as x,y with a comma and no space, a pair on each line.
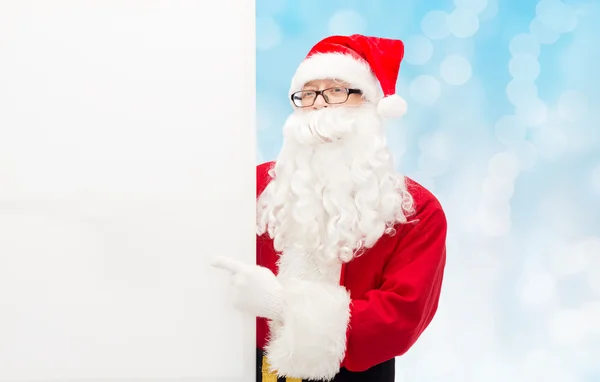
504,127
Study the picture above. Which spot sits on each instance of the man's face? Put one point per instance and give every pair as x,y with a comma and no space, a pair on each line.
326,111
334,94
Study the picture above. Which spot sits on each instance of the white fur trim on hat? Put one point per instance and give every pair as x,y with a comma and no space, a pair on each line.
392,106
338,66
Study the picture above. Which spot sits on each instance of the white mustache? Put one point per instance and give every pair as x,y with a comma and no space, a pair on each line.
314,129
327,125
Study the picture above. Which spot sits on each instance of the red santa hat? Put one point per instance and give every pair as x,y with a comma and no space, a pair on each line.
366,63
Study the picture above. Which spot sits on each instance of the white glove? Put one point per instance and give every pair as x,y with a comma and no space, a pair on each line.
256,289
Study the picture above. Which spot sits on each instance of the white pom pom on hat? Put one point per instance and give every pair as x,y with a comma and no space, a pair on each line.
370,64
392,106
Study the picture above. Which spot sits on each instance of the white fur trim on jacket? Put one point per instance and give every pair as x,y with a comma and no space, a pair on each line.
341,67
310,343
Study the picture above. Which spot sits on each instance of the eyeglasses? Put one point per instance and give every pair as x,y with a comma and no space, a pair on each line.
307,98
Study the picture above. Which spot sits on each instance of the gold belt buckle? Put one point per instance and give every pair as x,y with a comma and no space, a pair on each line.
267,376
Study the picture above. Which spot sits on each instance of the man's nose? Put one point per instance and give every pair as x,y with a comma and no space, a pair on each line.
319,102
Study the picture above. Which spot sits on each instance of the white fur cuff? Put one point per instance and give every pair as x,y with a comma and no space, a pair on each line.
311,341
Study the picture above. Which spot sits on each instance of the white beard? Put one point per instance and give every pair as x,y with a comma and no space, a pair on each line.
333,200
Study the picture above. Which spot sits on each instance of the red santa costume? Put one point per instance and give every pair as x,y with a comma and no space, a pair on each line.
351,253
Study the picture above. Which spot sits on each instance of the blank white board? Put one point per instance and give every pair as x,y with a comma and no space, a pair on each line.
127,155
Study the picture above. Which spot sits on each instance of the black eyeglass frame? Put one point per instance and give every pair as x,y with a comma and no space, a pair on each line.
318,93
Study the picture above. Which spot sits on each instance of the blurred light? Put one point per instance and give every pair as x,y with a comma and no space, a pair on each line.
524,67
537,288
268,33
475,6
494,219
270,7
418,50
572,105
559,212
524,43
505,165
347,22
591,312
510,131
492,369
521,91
445,356
526,153
490,11
576,68
497,189
551,140
434,144
264,120
596,177
259,156
463,23
434,25
435,154
544,364
455,69
568,327
532,112
462,46
556,15
432,165
564,260
589,249
425,90
396,140
543,34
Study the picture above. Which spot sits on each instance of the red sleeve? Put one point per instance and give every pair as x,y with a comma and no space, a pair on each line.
265,255
389,320
262,177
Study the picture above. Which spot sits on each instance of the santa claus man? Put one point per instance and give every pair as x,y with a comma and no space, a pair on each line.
350,253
